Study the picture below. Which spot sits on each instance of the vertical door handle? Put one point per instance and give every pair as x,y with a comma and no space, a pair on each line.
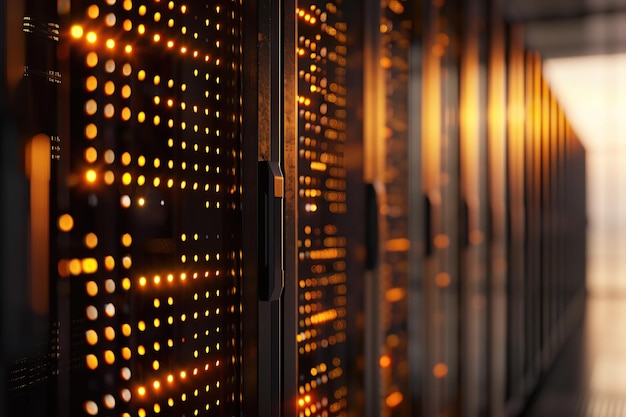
271,195
371,229
428,231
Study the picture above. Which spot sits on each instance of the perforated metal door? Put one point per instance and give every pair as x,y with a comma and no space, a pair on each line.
151,229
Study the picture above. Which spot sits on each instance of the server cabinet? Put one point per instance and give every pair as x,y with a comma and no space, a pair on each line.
473,210
498,188
145,250
329,177
156,140
532,286
440,173
29,148
516,223
393,166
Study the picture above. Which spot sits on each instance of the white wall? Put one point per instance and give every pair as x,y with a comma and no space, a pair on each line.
592,90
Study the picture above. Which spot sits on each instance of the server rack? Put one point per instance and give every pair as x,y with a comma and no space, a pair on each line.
499,268
473,209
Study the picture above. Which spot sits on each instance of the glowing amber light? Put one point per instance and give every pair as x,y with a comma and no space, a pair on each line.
92,288
126,158
91,107
91,131
394,399
76,31
109,401
91,37
92,59
442,280
92,83
109,333
109,357
441,241
170,378
92,361
385,361
89,265
126,353
126,329
394,295
156,384
126,284
91,155
440,370
91,240
109,309
141,326
93,11
110,43
109,263
92,313
183,374
141,391
141,29
126,178
91,336
75,267
156,37
128,49
109,177
91,408
142,281
91,175
125,373
66,223
109,88
126,240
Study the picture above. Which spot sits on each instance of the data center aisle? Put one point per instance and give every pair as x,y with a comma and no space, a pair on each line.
589,377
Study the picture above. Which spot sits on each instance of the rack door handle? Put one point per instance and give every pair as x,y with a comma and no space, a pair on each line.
271,195
371,230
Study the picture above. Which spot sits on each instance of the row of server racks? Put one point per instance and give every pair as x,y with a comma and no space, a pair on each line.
281,208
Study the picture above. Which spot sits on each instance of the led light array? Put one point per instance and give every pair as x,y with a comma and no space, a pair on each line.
155,218
395,28
322,250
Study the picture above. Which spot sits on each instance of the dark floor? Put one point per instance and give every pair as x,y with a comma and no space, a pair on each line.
589,377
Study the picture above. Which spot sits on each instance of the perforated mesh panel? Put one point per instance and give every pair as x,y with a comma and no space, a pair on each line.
154,227
322,206
396,28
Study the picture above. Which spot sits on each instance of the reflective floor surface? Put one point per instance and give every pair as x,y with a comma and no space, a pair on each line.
589,377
